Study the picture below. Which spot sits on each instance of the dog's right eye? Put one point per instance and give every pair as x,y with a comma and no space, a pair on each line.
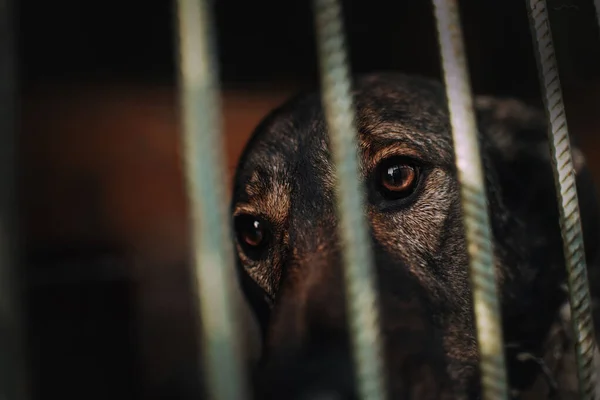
397,178
252,235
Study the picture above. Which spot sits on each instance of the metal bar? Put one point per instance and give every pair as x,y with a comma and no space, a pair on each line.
362,297
14,384
566,191
211,235
597,6
474,200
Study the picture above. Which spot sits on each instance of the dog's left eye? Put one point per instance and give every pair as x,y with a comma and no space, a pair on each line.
397,178
252,234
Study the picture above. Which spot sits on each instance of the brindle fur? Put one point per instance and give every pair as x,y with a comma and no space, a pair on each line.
286,176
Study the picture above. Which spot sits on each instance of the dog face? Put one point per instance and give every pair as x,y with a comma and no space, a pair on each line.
290,258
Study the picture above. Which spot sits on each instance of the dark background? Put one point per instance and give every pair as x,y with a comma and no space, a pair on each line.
104,215
265,40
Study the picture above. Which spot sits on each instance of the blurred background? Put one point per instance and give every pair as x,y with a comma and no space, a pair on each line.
101,195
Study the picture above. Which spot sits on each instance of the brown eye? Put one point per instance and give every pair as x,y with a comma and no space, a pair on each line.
397,178
252,234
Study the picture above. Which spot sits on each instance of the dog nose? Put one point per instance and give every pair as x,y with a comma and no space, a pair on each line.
326,375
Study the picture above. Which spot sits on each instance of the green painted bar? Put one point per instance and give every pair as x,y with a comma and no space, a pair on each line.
205,174
14,382
474,202
362,296
566,192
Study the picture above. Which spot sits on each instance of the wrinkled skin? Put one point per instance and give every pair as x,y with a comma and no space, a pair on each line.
294,279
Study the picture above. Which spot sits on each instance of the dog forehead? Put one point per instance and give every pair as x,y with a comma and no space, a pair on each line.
402,109
280,169
391,109
290,139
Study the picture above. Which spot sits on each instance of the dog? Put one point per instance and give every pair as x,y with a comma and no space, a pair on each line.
290,259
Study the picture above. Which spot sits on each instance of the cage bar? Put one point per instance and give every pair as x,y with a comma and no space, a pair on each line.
362,296
14,383
474,200
205,175
566,192
597,6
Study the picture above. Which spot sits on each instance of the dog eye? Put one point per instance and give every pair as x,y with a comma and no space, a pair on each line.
252,235
397,178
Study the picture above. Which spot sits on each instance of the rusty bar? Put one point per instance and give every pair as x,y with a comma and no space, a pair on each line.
474,200
211,226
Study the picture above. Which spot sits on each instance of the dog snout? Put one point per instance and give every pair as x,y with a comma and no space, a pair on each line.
308,354
324,375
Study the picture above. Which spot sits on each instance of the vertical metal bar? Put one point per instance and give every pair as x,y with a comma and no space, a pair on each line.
566,191
213,250
362,299
13,379
597,6
474,200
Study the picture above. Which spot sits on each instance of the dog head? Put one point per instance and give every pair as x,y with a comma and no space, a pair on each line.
290,259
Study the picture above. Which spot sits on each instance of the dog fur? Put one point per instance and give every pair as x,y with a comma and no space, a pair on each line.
286,178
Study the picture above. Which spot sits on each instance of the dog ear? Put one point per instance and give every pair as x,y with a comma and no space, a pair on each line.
518,135
524,215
